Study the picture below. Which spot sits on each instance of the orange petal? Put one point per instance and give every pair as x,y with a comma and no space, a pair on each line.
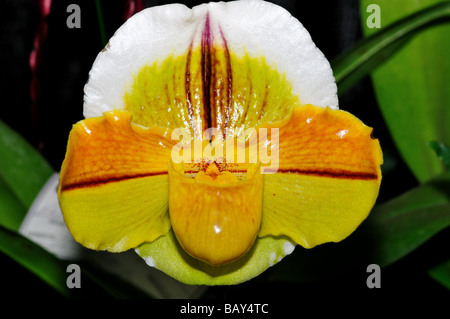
113,185
327,177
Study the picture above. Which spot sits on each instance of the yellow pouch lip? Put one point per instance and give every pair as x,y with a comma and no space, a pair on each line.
216,223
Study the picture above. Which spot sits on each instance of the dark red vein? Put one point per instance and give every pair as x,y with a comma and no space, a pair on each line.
206,45
329,173
229,84
187,86
93,182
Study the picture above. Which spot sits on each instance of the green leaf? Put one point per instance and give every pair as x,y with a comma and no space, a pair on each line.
22,168
33,257
412,86
53,270
442,151
371,52
441,273
401,225
12,210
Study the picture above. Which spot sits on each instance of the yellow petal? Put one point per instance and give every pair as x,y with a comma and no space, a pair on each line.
327,180
113,185
215,217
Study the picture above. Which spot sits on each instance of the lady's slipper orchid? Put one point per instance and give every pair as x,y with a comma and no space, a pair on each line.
283,166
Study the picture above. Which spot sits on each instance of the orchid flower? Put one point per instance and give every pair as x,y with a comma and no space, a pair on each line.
213,144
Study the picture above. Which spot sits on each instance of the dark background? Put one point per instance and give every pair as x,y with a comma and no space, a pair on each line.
67,56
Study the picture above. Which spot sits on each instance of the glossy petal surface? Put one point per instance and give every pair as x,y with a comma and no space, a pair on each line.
113,185
327,180
215,221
